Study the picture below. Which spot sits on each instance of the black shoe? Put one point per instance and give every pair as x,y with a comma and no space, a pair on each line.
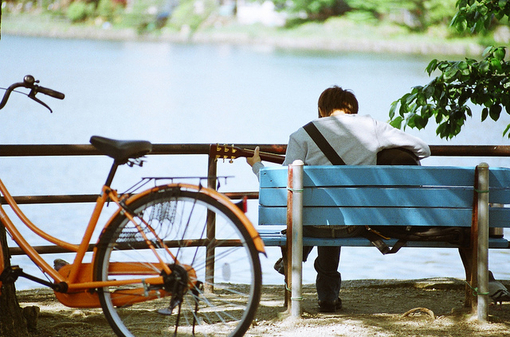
330,306
279,266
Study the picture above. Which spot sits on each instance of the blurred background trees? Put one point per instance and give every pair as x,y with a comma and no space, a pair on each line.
148,15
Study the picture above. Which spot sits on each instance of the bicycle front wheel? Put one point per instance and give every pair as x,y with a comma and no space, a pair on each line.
213,288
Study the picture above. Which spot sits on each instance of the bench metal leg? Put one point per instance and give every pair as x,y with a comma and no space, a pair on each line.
475,258
295,227
483,240
466,255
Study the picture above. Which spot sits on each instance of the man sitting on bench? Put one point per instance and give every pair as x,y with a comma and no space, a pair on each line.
339,136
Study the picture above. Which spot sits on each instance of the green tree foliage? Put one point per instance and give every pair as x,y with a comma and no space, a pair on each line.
416,14
314,9
485,83
142,15
80,11
480,15
189,14
108,9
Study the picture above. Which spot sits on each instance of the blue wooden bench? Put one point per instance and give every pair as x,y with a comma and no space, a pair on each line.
387,195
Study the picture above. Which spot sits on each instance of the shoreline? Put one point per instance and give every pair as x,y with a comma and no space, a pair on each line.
324,39
382,308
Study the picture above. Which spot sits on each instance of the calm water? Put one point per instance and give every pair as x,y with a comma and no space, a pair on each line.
171,93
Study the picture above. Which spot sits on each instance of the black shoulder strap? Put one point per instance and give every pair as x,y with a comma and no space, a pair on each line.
335,159
323,144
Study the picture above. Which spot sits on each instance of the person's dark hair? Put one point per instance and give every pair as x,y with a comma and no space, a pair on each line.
336,98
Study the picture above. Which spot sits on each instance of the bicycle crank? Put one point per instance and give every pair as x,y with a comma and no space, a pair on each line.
176,284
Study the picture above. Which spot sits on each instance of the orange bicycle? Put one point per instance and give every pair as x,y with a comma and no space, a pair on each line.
178,256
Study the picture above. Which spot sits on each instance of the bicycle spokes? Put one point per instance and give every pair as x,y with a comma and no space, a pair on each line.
199,291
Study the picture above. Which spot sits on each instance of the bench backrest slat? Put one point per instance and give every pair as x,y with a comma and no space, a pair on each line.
384,195
379,197
357,216
317,176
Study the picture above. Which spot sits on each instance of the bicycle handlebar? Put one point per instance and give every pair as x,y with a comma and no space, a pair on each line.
30,82
50,92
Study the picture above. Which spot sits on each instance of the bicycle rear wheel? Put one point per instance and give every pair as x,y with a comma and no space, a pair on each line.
214,286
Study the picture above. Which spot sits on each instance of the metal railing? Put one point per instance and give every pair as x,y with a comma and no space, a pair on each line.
188,149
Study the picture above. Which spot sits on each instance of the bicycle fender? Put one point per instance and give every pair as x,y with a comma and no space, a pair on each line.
254,234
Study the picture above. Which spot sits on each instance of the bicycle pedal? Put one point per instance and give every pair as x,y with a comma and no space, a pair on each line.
11,274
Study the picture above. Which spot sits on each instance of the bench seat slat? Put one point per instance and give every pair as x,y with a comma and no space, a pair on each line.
362,242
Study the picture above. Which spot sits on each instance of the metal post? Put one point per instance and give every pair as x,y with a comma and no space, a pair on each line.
211,229
297,237
483,241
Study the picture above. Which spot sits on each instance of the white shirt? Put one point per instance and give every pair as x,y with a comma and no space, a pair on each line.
357,139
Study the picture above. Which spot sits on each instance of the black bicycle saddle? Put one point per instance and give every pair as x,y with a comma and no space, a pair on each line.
121,150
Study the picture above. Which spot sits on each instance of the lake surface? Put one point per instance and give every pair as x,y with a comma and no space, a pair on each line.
180,93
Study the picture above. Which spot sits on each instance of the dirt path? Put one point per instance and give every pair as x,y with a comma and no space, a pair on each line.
371,308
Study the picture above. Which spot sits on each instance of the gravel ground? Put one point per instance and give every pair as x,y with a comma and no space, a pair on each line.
430,307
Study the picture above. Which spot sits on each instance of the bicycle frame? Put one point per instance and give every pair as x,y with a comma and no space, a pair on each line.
73,283
162,245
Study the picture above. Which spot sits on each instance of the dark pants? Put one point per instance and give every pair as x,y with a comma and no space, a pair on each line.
328,279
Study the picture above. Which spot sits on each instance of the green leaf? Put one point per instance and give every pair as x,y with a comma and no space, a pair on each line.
485,114
462,65
450,74
428,90
506,130
441,130
483,10
464,96
421,122
484,67
421,99
426,111
411,120
487,50
495,111
468,111
432,66
440,112
496,64
393,107
499,53
397,122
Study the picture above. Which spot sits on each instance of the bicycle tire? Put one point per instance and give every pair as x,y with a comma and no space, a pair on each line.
226,305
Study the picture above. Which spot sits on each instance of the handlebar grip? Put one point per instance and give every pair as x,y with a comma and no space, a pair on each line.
50,92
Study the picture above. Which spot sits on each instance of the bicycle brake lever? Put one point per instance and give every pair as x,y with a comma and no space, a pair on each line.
32,94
